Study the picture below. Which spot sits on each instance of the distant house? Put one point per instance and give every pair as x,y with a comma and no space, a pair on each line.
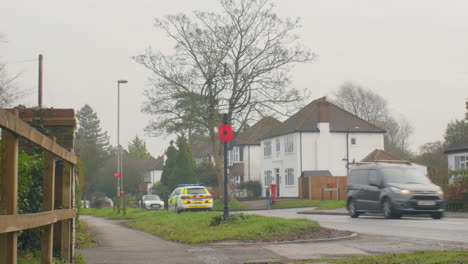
457,158
201,152
315,139
153,170
245,151
382,156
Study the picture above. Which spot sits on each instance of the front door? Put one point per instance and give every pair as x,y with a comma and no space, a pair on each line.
278,181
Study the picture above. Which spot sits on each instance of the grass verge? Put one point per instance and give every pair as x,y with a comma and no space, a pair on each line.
35,258
235,205
417,257
83,236
321,205
194,227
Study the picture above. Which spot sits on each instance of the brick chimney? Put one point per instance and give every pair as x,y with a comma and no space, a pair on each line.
323,110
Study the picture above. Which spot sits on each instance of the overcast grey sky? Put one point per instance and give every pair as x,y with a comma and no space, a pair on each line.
413,53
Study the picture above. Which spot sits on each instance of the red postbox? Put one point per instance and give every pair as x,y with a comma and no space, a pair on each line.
273,192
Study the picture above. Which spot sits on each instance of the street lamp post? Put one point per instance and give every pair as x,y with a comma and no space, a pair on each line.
119,157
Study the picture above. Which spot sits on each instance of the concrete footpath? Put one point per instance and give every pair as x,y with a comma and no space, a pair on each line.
120,244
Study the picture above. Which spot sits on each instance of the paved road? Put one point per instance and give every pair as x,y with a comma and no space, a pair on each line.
120,244
446,229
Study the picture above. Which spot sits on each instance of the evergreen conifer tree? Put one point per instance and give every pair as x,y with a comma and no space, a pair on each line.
169,166
137,148
184,171
91,146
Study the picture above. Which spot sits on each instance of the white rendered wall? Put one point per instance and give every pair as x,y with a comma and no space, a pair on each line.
252,163
451,159
319,152
282,161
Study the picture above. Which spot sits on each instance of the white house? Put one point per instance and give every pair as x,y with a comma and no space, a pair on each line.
315,139
457,158
245,151
153,171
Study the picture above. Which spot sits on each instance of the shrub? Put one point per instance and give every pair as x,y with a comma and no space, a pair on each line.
219,219
252,188
163,191
455,190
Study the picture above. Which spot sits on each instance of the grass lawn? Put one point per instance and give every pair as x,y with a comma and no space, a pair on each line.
233,205
194,227
418,257
328,204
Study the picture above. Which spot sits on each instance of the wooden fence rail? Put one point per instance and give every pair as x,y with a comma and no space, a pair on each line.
10,222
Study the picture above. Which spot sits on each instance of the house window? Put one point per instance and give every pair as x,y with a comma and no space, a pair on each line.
241,154
461,162
278,145
238,179
289,144
353,141
268,178
267,149
289,176
235,154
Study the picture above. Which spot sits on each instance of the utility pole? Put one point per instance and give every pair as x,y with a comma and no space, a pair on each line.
40,82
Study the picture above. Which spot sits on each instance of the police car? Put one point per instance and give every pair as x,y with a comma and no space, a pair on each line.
190,197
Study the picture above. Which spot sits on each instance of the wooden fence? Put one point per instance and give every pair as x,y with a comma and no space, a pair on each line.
323,187
61,220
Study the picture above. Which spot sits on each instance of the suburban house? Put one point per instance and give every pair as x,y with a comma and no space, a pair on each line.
245,151
201,152
320,137
457,158
382,156
153,171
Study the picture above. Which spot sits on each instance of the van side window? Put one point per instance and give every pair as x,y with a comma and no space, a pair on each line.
358,177
373,179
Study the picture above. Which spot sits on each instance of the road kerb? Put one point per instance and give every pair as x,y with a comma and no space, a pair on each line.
224,244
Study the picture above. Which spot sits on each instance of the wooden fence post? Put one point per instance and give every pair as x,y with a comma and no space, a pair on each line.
48,186
66,236
9,194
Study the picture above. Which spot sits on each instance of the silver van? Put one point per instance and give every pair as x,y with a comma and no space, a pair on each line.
394,189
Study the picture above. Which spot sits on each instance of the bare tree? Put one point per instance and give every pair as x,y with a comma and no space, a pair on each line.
373,108
236,62
362,102
9,92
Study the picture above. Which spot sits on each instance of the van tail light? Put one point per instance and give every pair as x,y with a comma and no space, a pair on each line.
185,197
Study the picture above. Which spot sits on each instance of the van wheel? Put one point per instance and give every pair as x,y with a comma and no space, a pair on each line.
352,210
388,210
437,215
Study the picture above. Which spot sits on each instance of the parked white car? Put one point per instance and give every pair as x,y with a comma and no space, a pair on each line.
151,202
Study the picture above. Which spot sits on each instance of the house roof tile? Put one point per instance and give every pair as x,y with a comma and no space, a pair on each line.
379,154
252,135
307,120
457,149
